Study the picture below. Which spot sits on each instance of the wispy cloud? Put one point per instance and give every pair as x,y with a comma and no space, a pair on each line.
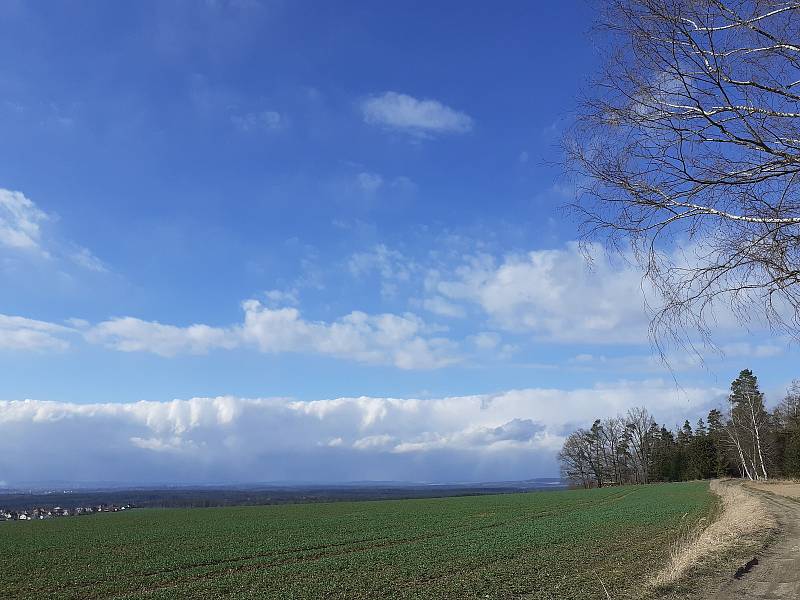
83,257
19,333
393,268
20,222
444,308
419,118
22,230
282,297
369,182
388,263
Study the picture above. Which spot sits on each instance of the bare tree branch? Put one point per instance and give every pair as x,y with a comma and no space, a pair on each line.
686,155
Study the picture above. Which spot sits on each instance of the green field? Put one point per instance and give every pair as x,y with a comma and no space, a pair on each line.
536,545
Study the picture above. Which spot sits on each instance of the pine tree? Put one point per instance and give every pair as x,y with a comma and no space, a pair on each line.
701,453
717,437
786,420
700,428
748,425
791,455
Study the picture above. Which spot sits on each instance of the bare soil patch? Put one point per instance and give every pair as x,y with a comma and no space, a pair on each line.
781,488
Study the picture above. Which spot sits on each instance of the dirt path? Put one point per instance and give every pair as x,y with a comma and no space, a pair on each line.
777,574
792,490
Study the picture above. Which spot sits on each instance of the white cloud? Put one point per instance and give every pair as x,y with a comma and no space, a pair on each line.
387,339
439,306
19,333
420,118
514,434
556,295
548,295
678,361
266,120
282,297
375,442
389,263
129,334
485,340
392,266
398,340
20,222
747,350
508,435
83,257
552,294
638,363
21,229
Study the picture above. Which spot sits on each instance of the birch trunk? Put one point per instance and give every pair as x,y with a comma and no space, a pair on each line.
756,439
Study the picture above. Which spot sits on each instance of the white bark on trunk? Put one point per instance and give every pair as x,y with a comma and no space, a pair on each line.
757,437
733,434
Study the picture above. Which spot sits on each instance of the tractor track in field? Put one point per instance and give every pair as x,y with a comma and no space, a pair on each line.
231,565
387,544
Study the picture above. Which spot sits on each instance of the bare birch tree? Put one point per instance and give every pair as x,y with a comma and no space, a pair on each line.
691,139
574,459
612,451
788,410
613,440
638,425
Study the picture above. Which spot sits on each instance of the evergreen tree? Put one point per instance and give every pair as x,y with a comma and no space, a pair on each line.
700,428
682,458
748,425
786,419
717,437
665,460
747,442
701,454
791,456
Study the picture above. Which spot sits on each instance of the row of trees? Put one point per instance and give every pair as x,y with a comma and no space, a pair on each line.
744,440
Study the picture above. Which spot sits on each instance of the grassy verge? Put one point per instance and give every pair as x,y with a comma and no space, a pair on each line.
707,552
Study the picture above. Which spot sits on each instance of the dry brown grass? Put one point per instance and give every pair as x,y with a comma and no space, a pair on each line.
741,516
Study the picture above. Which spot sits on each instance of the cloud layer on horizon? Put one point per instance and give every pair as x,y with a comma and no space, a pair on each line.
509,435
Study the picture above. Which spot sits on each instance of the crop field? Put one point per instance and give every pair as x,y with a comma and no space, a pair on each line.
534,545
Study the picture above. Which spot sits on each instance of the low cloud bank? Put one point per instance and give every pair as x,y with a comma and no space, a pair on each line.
510,435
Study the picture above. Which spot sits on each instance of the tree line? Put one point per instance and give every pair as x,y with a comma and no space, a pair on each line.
743,440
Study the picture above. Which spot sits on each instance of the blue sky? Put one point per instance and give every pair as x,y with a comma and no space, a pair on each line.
260,200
